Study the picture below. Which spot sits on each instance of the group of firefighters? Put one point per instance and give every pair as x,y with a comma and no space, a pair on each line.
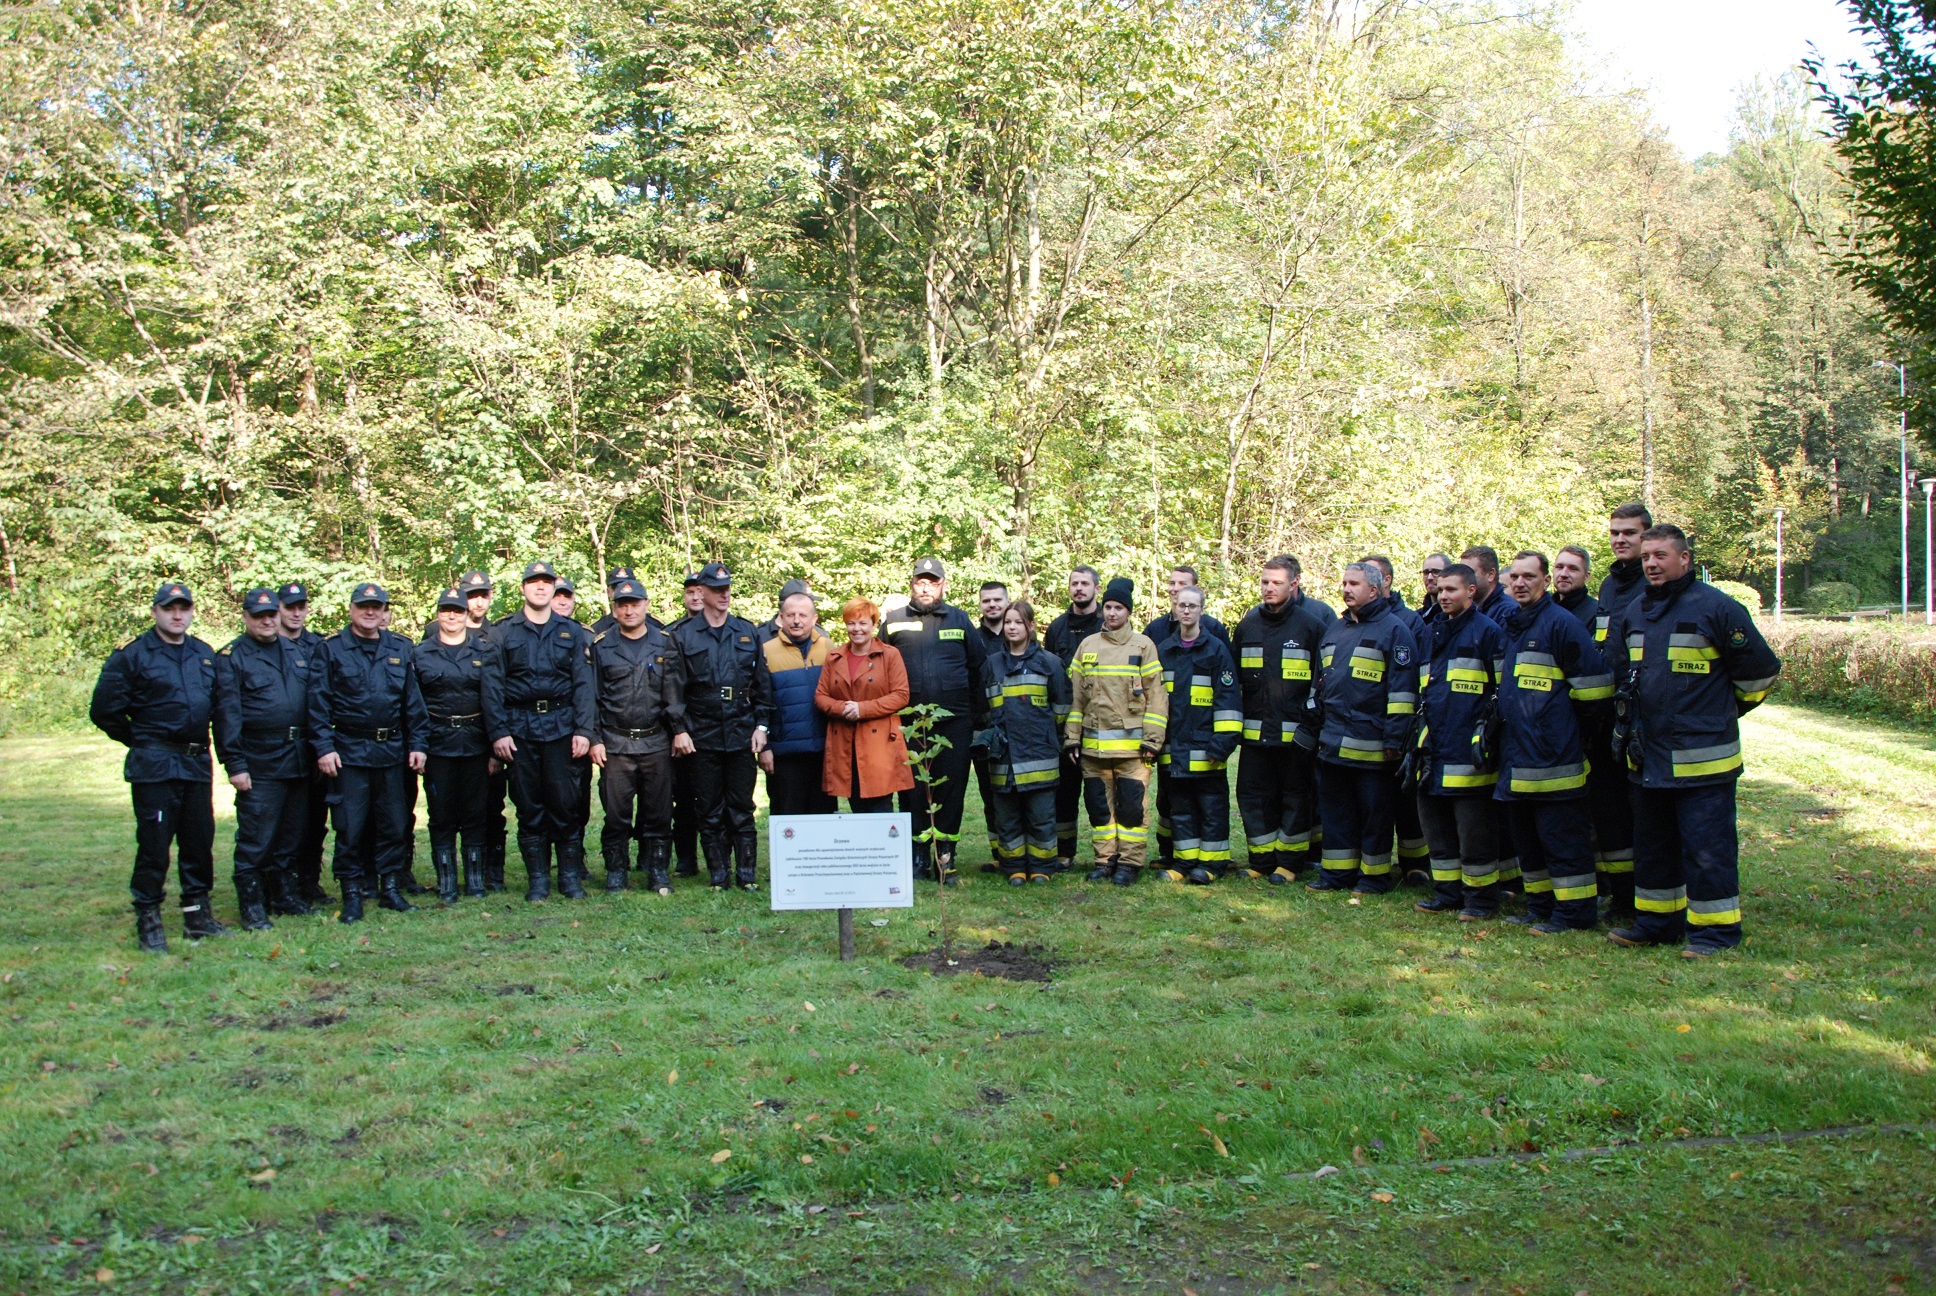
1515,736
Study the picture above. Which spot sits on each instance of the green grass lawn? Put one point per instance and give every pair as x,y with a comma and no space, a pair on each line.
631,1094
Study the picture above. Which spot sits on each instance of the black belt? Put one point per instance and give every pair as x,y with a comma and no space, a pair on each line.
369,735
459,721
293,733
542,706
635,734
178,749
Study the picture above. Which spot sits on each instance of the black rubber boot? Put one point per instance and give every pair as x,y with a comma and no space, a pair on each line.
284,894
198,919
571,869
147,929
655,857
352,901
1103,871
719,862
248,894
312,893
390,895
746,856
1124,875
444,860
618,864
537,868
494,868
474,871
1200,876
407,880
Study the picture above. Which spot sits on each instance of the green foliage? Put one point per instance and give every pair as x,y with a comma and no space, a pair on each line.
1832,597
1875,668
1746,595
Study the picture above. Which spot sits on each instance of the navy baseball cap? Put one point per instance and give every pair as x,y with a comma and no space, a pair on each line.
173,592
293,593
713,576
261,601
930,567
617,576
453,599
539,570
474,582
627,591
370,592
564,586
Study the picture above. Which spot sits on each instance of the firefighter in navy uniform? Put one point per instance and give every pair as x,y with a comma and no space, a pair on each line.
1368,696
1625,580
641,707
942,650
1414,854
367,722
1608,799
1555,693
461,674
1695,663
154,698
1458,681
992,603
1276,645
1158,630
261,711
293,622
729,712
1611,794
1025,700
613,579
1206,718
1083,619
545,733
685,803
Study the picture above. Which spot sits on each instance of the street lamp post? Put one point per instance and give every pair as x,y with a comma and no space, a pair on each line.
1902,477
1929,553
1778,516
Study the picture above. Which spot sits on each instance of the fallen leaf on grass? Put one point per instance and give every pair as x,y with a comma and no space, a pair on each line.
807,1160
1592,1079
1683,1028
808,1005
852,1067
1382,1196
104,1276
1055,1180
672,1077
1358,1156
1323,1171
263,1176
721,1155
654,1248
1216,1142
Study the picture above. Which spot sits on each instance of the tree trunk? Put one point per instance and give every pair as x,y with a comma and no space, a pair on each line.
1239,434
306,401
6,553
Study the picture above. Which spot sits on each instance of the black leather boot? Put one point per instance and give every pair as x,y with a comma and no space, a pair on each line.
444,860
655,856
719,862
537,868
1125,875
618,863
390,895
147,929
312,893
284,894
474,871
198,919
571,869
352,901
494,868
248,894
1102,872
746,853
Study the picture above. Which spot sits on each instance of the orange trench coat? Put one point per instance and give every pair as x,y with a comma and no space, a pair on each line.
874,742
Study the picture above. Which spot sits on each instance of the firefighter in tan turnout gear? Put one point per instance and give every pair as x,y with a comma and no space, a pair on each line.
1118,719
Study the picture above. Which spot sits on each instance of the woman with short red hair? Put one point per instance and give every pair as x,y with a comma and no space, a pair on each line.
862,689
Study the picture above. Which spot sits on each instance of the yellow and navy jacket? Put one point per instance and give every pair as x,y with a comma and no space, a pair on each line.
1554,690
1696,664
1586,610
1367,686
1206,708
1467,661
798,726
1117,702
1623,583
943,651
1277,669
1026,699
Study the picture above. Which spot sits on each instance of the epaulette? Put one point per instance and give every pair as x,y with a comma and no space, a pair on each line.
223,651
600,636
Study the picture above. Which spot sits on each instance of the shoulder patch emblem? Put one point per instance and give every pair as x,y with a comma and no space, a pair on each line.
1402,655
1227,679
1739,637
396,661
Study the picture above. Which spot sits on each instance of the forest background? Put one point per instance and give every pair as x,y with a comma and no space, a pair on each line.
395,288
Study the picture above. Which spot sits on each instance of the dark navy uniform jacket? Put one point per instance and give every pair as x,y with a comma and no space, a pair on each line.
1066,633
1698,664
1277,668
463,693
1554,693
1206,705
1367,686
943,653
548,689
641,691
1468,657
1586,610
364,703
155,699
262,708
1623,583
727,690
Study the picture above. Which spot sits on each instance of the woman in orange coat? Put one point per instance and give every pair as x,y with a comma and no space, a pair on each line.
862,689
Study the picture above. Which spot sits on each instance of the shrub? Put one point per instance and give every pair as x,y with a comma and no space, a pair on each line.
1746,595
1832,597
1885,668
